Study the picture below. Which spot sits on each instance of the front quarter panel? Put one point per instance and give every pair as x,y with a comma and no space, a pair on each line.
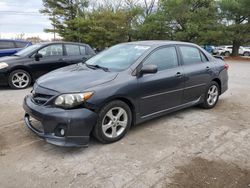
124,86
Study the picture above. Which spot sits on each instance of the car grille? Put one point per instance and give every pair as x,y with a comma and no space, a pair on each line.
41,99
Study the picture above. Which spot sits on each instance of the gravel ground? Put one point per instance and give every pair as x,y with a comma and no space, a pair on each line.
190,148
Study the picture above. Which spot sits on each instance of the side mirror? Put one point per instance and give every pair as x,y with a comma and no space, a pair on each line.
148,69
38,56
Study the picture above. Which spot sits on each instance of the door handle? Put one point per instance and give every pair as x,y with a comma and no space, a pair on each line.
178,74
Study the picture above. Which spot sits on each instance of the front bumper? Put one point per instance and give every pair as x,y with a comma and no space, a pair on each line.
3,78
77,123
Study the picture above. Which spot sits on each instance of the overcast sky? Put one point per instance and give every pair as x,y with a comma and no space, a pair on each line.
22,16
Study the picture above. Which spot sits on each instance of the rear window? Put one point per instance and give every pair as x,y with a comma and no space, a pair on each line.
190,55
83,50
21,44
72,50
6,45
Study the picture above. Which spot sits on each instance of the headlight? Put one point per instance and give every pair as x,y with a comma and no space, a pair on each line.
3,65
72,100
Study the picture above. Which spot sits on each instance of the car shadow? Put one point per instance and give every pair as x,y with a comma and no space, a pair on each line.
94,144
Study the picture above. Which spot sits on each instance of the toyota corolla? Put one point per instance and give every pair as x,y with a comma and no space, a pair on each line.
125,85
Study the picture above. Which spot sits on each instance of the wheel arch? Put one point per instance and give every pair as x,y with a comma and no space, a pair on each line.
217,80
127,101
22,68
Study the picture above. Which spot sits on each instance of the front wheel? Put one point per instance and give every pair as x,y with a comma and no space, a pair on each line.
211,96
19,79
113,123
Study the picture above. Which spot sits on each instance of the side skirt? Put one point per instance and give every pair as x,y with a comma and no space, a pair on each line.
169,110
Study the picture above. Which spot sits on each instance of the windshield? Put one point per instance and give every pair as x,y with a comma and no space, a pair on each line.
118,57
28,50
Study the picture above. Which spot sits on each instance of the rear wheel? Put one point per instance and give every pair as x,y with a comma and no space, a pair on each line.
246,54
19,79
113,123
227,54
211,96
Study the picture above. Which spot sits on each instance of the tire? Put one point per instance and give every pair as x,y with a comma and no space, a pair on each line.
227,54
105,128
19,79
246,54
211,98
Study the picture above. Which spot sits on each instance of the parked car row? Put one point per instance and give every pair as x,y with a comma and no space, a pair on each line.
226,50
24,67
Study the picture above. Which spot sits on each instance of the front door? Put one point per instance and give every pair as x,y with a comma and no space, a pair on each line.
162,90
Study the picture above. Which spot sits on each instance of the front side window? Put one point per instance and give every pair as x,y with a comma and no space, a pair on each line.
164,58
6,45
51,50
72,50
190,55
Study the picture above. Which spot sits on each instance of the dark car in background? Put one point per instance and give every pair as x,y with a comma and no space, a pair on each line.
21,69
126,84
9,47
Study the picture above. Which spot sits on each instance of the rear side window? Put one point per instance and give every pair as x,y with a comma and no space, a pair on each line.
83,50
190,55
163,58
20,44
72,50
6,45
203,57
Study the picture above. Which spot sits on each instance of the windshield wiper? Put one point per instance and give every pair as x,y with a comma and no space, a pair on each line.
97,67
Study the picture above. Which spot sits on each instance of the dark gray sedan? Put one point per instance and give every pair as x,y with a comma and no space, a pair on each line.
127,84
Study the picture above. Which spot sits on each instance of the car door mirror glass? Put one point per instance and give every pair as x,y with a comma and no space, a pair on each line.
38,56
148,69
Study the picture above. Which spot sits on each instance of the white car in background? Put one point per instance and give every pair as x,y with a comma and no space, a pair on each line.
227,50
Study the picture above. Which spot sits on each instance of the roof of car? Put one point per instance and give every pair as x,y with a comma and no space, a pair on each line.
159,42
62,42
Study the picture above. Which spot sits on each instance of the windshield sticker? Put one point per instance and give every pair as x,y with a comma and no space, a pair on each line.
142,47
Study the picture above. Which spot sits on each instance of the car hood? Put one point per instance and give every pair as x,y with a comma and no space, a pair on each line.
75,78
9,59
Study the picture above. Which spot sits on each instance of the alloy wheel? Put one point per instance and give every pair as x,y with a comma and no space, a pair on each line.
20,80
213,94
114,122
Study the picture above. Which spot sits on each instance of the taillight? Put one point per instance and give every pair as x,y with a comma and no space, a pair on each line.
226,66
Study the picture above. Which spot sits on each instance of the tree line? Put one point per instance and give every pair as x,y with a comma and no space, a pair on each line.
104,23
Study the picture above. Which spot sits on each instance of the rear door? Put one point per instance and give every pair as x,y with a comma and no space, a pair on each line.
164,89
197,72
73,54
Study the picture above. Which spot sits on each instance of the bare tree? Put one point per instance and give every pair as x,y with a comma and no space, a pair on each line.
149,6
20,36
